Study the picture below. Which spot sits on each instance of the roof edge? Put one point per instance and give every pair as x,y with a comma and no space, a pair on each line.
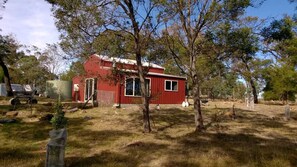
127,61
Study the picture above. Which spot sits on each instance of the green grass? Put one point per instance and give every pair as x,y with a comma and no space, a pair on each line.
114,138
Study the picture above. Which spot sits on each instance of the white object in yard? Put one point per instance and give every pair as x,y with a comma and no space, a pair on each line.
27,88
185,104
55,151
76,87
287,112
158,107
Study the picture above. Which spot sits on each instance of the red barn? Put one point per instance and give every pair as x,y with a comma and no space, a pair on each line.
108,86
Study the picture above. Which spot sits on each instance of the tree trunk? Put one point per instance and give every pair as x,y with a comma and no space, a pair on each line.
254,90
144,94
6,79
197,108
146,116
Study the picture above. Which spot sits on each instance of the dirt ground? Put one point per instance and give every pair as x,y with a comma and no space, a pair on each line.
107,136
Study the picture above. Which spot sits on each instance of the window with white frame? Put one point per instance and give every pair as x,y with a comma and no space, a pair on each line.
171,85
132,86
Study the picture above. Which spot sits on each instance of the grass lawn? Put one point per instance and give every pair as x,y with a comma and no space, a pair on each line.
111,137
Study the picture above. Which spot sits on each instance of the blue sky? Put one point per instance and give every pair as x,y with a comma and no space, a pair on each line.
273,9
31,21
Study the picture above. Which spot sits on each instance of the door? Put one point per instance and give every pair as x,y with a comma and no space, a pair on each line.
91,89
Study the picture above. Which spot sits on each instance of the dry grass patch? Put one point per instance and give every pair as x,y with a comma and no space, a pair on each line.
113,137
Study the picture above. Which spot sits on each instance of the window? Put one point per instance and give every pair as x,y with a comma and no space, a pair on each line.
171,85
132,86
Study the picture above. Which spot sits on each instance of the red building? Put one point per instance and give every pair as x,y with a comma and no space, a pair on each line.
108,86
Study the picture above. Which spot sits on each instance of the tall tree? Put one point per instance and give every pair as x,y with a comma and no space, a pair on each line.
76,69
53,58
281,83
82,24
280,39
29,70
244,45
8,53
187,23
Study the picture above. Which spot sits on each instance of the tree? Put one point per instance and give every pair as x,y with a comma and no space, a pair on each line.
84,23
293,1
187,23
241,41
8,53
76,69
244,45
53,58
29,70
281,83
2,6
281,42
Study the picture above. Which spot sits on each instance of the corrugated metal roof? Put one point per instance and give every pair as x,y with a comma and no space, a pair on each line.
127,61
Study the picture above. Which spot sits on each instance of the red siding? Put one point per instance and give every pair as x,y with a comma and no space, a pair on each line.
158,93
96,68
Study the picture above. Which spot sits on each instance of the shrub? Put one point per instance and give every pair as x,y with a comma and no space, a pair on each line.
59,121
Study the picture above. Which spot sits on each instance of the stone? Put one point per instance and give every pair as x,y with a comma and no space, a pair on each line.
12,114
3,121
3,113
48,104
34,111
87,118
46,117
55,153
287,112
72,110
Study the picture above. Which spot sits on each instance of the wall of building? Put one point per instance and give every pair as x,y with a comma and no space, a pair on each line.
158,93
109,90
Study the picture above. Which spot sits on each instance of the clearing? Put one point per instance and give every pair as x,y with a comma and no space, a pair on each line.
113,137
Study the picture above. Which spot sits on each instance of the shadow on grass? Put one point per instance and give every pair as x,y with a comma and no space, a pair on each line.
106,158
5,108
23,156
256,120
243,148
15,153
26,132
169,118
131,156
144,151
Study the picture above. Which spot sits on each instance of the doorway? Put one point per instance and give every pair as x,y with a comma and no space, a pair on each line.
90,89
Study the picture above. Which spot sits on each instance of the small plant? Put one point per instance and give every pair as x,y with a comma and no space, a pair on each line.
58,121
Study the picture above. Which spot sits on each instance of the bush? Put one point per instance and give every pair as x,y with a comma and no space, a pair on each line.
59,121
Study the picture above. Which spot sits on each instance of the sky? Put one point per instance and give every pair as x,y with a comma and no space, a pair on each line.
31,21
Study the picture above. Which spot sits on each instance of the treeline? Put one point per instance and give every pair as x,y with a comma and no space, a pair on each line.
211,42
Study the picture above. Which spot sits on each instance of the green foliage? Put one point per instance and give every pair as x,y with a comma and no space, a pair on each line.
80,23
281,41
279,30
59,121
8,54
281,83
8,49
29,70
76,69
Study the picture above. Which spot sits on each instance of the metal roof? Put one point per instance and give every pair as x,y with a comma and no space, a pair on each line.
127,61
